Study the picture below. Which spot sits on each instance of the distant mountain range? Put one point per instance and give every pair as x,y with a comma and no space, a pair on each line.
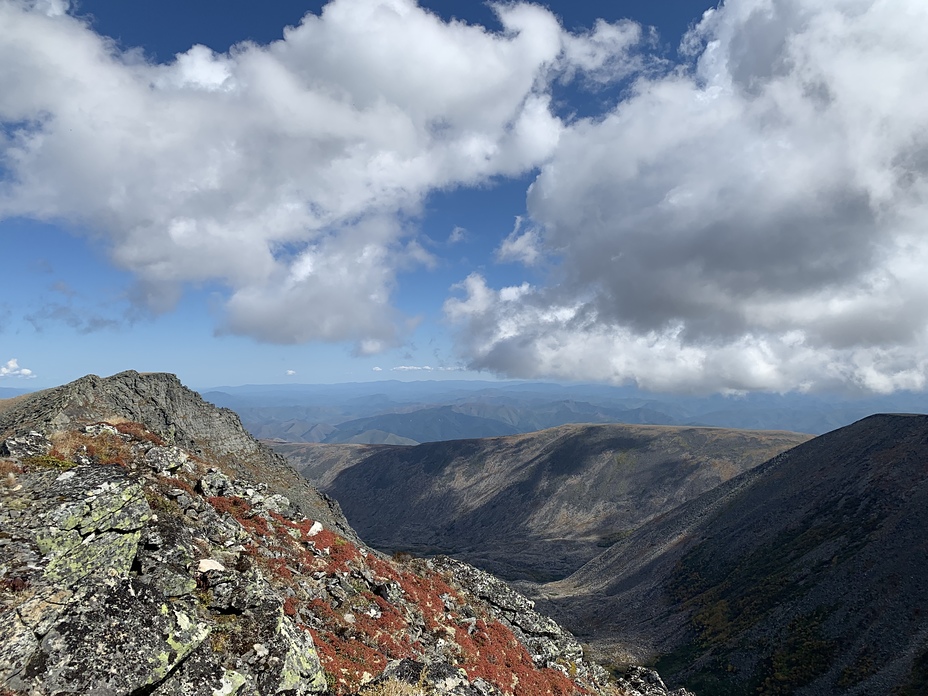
405,413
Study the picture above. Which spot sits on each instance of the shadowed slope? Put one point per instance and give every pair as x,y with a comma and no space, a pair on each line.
538,505
803,575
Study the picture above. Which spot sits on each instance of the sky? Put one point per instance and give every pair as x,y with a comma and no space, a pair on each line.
675,195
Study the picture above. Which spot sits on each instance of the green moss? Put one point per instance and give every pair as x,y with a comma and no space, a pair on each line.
729,599
862,668
47,461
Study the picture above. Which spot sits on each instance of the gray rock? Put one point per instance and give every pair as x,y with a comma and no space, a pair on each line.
215,484
113,639
166,459
31,444
179,416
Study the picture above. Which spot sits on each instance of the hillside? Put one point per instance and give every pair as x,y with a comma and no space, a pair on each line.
151,557
802,576
533,506
321,463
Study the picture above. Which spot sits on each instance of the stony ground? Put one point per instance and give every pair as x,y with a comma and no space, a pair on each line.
130,565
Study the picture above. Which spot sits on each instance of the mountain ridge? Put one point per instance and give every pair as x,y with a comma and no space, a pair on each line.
801,574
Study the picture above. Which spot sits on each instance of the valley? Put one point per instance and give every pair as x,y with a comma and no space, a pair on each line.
534,506
803,575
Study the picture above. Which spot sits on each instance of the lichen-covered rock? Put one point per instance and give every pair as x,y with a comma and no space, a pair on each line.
641,681
166,459
437,678
31,444
100,595
549,644
112,639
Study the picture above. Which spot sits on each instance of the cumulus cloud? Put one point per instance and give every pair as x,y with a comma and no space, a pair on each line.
290,373
755,221
377,369
284,172
12,369
523,246
604,54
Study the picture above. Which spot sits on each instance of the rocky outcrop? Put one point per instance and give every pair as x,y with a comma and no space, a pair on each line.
549,644
178,416
103,593
132,565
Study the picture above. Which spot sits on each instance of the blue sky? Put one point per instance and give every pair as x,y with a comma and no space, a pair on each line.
551,191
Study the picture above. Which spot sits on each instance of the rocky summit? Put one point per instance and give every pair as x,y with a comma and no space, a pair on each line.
149,547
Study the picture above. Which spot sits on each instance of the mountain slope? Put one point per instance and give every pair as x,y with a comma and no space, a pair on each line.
322,463
804,575
538,505
131,566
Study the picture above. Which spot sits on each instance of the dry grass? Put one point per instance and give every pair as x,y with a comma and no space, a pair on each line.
9,467
105,448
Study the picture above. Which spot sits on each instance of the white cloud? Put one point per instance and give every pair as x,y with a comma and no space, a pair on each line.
280,171
521,246
602,54
754,223
12,369
290,373
458,234
377,369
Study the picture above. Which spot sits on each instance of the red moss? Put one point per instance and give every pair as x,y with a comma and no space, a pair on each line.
349,648
178,483
139,432
493,653
340,551
278,568
237,507
346,661
290,606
